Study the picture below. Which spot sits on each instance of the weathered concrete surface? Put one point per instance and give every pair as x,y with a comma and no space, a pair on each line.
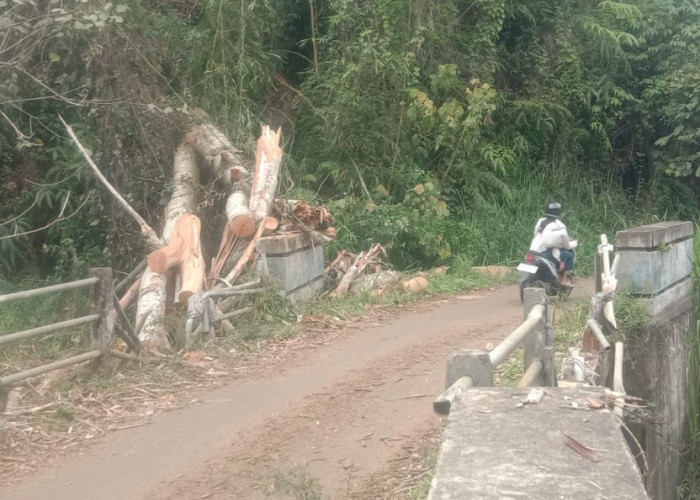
653,235
296,262
656,263
675,301
649,272
470,363
494,450
658,375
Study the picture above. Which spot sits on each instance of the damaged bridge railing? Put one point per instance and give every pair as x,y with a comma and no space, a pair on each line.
474,367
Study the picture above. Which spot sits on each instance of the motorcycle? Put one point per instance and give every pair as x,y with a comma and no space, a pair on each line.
541,271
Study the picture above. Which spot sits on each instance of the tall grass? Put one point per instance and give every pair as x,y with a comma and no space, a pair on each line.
29,313
689,488
500,232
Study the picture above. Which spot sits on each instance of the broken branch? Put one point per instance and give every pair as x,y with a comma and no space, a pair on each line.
150,235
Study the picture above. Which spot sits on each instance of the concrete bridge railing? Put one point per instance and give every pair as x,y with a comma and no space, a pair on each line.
475,368
656,270
498,445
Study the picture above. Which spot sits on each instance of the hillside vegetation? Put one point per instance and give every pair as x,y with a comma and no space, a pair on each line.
441,127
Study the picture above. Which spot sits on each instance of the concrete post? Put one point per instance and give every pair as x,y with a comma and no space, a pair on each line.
549,374
534,345
470,363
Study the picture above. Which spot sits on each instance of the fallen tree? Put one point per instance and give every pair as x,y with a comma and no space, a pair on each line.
153,298
176,267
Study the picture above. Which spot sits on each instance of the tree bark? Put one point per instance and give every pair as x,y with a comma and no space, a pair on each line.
152,293
218,154
267,167
184,252
240,218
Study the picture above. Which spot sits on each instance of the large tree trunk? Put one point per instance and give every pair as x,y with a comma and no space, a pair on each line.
218,154
152,293
184,252
267,167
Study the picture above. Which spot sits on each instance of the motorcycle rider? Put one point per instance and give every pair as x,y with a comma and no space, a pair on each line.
551,239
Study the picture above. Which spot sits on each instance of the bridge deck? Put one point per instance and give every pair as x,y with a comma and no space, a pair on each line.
493,449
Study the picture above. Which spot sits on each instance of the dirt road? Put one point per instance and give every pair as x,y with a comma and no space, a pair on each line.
341,408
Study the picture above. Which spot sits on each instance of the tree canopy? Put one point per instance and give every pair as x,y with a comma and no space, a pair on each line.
440,126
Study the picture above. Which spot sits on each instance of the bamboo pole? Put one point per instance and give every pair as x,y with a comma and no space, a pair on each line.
125,356
38,292
18,377
34,332
131,277
531,374
502,350
443,403
594,327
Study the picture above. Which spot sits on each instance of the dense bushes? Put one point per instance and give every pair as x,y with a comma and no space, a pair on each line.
438,126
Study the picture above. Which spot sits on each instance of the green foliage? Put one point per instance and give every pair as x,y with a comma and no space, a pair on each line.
413,230
490,107
672,92
689,489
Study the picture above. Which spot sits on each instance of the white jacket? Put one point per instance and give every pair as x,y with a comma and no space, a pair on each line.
554,235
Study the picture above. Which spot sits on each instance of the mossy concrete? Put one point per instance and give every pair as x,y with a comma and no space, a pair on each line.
656,266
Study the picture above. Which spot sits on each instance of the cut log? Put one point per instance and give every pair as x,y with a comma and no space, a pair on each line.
150,314
223,160
184,252
415,284
267,167
185,238
152,292
357,267
240,218
271,224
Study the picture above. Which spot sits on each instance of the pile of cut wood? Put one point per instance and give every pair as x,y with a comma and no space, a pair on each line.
176,271
367,272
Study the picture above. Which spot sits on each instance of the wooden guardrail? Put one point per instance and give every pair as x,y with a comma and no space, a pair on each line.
103,311
474,368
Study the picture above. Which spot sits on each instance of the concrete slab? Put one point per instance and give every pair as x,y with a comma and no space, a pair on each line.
653,235
641,272
494,450
295,261
284,243
296,268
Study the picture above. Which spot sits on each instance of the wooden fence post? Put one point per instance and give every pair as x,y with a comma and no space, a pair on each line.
102,303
